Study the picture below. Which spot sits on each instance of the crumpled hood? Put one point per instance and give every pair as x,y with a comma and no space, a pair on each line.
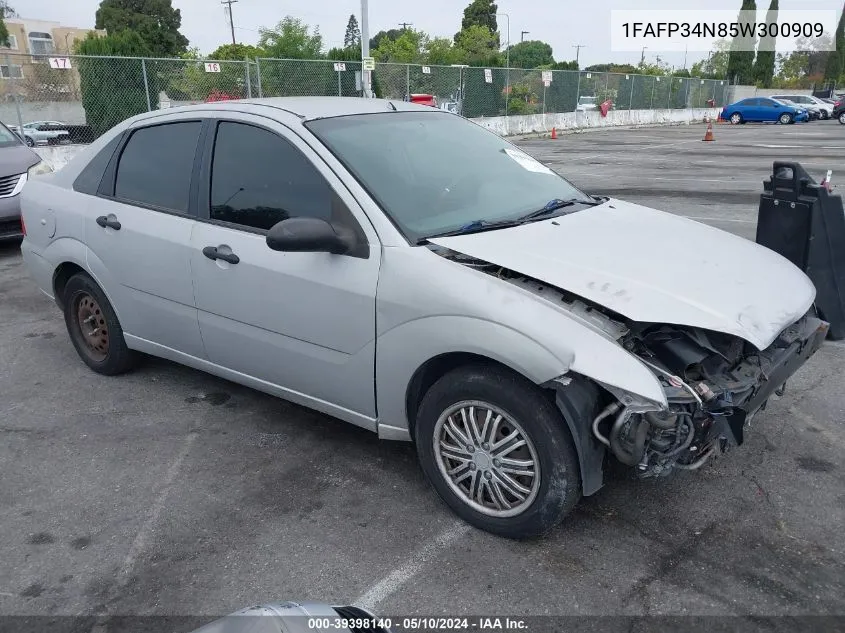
651,266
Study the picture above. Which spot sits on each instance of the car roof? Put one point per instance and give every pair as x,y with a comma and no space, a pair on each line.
305,108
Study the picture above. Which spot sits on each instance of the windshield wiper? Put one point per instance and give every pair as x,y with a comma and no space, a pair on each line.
476,226
555,205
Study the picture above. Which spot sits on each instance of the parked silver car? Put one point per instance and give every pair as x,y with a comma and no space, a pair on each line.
405,270
35,132
17,163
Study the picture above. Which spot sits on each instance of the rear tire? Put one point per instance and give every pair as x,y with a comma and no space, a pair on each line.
477,481
94,329
842,118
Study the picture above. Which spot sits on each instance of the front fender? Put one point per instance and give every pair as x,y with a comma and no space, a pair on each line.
405,348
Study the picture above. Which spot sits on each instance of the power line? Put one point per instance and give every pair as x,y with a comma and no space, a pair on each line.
229,4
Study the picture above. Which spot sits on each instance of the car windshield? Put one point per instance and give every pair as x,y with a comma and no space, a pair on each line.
7,137
433,173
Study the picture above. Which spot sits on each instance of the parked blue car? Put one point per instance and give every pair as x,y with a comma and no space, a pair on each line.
763,109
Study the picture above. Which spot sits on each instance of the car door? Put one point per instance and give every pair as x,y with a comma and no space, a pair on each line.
302,322
138,233
770,109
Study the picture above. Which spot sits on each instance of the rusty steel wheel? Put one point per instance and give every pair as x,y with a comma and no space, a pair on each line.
93,330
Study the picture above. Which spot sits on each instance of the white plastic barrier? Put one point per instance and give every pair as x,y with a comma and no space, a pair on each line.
543,123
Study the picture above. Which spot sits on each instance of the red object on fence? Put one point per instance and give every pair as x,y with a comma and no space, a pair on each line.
216,95
605,107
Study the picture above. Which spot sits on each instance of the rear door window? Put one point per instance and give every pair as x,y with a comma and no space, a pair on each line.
156,164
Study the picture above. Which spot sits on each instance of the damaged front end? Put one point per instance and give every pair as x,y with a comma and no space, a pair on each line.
714,384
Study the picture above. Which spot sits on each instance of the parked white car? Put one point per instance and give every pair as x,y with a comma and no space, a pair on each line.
330,252
585,104
813,104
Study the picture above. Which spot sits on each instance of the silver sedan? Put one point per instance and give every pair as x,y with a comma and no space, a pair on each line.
402,269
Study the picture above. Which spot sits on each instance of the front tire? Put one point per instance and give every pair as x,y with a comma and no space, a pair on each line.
736,118
497,451
842,118
823,115
94,329
29,141
785,118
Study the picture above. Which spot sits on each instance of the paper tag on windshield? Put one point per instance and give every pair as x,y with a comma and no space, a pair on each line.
529,163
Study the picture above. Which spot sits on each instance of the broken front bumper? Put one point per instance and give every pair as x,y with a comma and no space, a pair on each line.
771,369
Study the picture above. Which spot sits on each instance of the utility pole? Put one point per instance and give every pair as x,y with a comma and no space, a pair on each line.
523,34
405,25
578,48
365,47
642,57
229,4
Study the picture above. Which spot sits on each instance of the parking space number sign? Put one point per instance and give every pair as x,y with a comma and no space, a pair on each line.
60,63
212,67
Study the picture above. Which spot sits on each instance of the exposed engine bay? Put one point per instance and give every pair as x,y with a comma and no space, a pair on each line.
714,383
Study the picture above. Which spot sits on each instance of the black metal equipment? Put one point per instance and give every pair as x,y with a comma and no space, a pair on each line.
805,223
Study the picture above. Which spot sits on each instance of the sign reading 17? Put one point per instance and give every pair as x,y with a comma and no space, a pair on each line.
60,63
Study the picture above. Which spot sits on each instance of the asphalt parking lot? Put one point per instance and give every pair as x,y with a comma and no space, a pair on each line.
167,491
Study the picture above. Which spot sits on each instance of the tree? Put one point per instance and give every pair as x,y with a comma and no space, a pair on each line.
443,52
741,58
408,48
5,12
112,90
716,64
379,37
155,21
478,46
531,54
836,60
570,65
806,64
291,39
353,33
480,13
764,66
237,52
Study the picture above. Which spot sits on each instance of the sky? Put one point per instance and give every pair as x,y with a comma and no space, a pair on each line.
561,23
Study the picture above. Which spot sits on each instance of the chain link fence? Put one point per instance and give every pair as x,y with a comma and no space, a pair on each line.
89,94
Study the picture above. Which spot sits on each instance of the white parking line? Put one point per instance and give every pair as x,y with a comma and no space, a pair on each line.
699,218
402,574
143,536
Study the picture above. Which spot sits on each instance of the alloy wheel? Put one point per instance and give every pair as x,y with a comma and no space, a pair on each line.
487,458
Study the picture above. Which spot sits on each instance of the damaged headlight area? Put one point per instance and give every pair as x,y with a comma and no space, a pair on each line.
714,384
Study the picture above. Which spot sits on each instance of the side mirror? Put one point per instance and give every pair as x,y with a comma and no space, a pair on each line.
309,235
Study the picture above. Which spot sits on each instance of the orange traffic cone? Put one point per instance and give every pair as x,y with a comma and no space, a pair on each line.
708,136
554,133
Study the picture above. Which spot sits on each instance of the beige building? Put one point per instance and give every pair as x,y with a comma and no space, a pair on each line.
25,67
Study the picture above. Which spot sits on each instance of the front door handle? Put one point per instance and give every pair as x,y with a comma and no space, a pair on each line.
104,221
212,253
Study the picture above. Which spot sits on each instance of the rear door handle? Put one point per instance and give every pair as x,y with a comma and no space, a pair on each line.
212,253
105,222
